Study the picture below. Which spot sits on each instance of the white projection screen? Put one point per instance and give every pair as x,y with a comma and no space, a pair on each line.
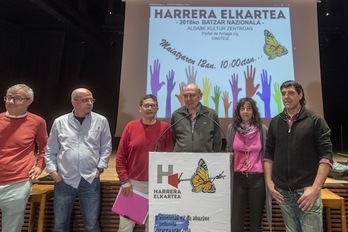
230,49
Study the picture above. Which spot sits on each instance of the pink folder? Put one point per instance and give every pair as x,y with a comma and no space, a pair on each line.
135,207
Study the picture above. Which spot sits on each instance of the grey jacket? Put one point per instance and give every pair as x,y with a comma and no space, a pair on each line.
204,136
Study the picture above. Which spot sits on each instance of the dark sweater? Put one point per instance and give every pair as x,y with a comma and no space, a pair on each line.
296,151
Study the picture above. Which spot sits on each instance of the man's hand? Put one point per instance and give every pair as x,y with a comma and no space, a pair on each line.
126,189
56,176
34,172
308,199
275,194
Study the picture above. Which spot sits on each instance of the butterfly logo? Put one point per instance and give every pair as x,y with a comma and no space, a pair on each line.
201,182
272,47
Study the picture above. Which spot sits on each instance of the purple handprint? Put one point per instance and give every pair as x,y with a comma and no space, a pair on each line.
155,75
266,92
170,87
235,90
191,75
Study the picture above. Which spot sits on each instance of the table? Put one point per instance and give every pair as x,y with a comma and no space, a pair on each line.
333,201
39,195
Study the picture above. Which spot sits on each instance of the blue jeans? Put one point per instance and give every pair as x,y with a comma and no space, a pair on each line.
89,198
297,220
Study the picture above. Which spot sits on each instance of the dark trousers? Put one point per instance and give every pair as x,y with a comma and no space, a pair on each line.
248,189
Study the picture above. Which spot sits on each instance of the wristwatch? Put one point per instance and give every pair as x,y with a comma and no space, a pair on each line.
100,170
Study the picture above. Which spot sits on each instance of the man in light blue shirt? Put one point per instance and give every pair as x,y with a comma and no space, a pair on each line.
77,152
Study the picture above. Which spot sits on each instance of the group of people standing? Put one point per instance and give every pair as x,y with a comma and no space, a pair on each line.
75,153
191,132
288,161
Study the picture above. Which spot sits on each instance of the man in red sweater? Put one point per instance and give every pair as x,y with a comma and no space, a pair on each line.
132,158
20,132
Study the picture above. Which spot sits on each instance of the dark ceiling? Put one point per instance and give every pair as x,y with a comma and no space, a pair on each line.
80,19
104,19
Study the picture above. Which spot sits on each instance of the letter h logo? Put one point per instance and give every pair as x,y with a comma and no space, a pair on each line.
173,179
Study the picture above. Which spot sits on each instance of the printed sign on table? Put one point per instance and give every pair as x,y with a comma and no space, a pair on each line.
189,192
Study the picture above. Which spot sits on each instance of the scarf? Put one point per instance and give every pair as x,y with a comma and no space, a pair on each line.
245,128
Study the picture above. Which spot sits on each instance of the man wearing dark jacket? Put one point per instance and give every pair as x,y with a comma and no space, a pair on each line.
196,126
297,161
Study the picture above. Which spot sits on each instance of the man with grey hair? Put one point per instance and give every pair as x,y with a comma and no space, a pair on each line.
20,133
78,151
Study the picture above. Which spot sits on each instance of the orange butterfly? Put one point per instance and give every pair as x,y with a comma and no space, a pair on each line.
200,181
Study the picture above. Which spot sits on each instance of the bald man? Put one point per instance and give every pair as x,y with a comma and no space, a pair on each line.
196,126
78,151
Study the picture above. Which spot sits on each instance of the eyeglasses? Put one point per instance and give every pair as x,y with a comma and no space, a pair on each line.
147,106
15,98
190,95
85,100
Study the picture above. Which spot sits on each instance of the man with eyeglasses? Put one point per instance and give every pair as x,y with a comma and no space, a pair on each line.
132,158
196,127
78,151
20,133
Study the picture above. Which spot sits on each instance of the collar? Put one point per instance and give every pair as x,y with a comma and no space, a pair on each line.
73,112
294,117
198,109
13,116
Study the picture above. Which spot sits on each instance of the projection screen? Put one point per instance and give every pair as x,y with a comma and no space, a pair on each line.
230,49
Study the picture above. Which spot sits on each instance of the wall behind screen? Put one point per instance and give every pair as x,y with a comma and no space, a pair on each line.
305,50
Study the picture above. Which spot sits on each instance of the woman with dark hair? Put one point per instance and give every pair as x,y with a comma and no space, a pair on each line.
246,138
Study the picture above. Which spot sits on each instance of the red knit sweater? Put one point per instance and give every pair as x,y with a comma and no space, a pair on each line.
132,158
18,140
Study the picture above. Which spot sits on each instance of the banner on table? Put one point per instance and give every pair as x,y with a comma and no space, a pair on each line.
189,192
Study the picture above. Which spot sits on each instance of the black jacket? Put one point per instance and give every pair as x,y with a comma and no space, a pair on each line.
296,151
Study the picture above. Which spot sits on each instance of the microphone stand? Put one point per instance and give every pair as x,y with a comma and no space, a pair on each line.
216,123
166,130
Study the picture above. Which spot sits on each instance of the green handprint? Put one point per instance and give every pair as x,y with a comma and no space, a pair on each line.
206,91
277,96
216,98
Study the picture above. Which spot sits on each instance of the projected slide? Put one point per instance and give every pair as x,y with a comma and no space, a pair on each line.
229,52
